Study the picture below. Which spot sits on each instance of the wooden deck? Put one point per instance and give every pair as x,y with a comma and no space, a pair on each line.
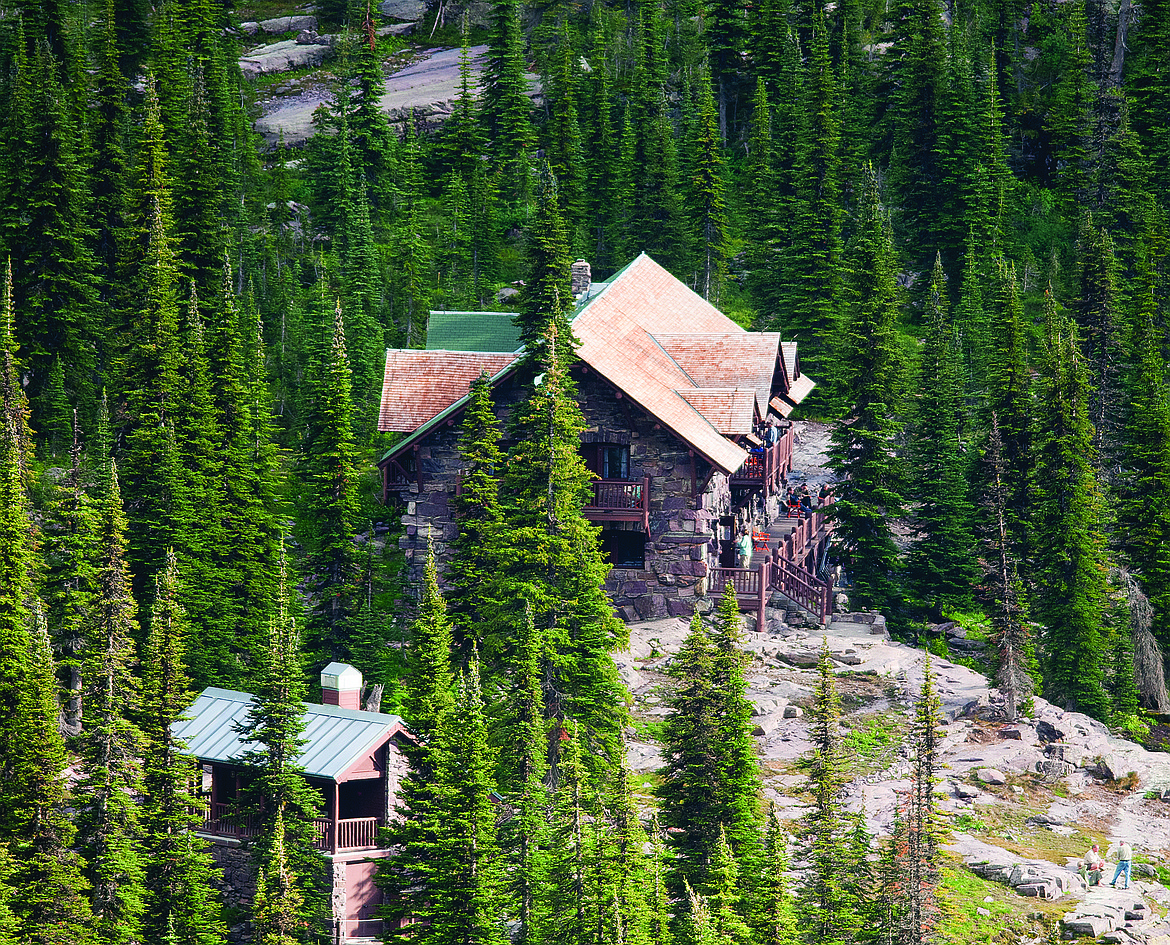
783,568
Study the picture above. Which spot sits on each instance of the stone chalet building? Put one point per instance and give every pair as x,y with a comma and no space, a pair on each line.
675,396
354,759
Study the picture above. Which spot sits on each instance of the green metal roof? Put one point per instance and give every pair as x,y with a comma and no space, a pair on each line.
472,331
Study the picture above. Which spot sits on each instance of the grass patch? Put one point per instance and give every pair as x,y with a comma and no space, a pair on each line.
650,729
1006,827
873,742
962,894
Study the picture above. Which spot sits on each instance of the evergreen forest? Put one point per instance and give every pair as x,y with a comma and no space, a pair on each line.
960,209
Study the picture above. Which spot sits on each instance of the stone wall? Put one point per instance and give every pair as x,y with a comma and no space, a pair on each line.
682,545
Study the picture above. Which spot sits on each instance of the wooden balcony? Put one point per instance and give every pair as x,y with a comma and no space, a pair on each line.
354,833
766,466
620,500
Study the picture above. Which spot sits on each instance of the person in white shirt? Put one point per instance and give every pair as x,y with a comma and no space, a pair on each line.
1094,866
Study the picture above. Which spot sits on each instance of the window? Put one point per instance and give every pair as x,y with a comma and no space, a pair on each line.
615,462
624,549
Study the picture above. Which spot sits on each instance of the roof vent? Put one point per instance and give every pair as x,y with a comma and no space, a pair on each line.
581,276
341,685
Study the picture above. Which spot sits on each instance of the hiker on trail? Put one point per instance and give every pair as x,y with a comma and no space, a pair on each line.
1094,866
1124,861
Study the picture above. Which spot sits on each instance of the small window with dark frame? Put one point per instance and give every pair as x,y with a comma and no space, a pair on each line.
624,548
615,462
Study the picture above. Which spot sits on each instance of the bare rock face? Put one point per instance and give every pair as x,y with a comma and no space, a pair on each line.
282,57
411,10
288,24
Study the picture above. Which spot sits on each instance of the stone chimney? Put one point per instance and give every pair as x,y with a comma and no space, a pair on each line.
341,685
582,277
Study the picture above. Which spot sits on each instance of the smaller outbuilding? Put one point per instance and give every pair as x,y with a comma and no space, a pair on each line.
353,759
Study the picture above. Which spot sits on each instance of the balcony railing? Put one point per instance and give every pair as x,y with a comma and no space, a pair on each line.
353,833
620,500
766,465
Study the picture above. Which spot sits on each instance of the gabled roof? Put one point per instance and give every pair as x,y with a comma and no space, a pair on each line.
730,410
420,384
788,349
335,738
728,359
645,333
472,331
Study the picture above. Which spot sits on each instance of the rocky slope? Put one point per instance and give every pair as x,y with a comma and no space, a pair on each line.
1024,800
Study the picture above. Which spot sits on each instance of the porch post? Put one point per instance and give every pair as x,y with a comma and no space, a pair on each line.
336,815
763,596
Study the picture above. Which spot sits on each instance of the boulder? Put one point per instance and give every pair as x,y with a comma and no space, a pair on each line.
288,24
412,10
793,712
251,27
991,776
282,57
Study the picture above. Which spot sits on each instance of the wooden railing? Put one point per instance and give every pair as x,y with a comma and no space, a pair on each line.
620,500
353,833
766,465
783,570
219,820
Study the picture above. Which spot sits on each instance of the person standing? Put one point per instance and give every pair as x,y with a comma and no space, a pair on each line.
744,547
1124,861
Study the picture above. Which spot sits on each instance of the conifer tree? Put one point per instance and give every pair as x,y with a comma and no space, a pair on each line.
477,511
109,831
565,148
817,212
56,427
1069,547
557,565
635,887
278,904
428,699
862,445
13,400
414,251
548,293
921,873
1098,323
151,465
49,891
737,792
69,534
940,565
283,803
774,916
567,901
692,753
825,909
15,593
724,901
523,766
181,905
506,107
1144,509
1009,394
708,204
467,901
328,499
1002,587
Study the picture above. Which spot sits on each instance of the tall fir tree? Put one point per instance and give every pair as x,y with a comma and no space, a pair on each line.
506,107
548,293
109,831
1070,555
181,903
940,566
283,803
824,905
707,199
329,519
862,451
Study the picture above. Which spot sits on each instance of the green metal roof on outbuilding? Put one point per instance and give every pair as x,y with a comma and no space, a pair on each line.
335,738
491,332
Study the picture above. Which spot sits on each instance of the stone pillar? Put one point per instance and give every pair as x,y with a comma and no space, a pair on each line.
581,276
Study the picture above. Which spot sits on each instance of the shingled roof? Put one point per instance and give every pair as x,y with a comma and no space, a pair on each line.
664,346
418,385
472,331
